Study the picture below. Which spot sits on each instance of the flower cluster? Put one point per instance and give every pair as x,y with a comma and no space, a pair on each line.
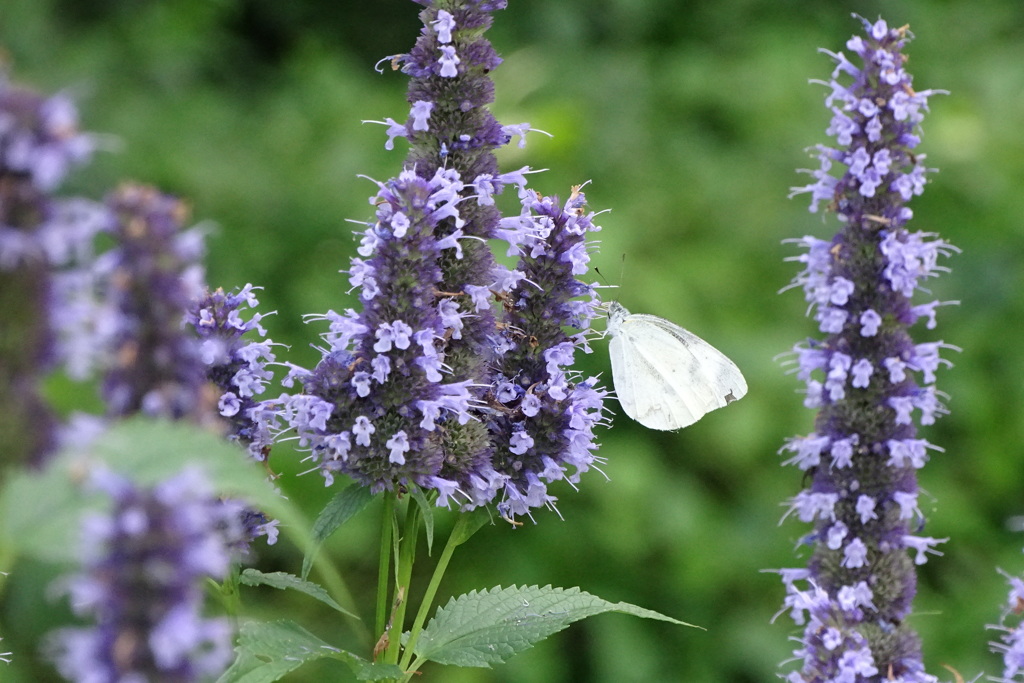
237,368
378,405
39,144
144,564
545,416
867,379
150,278
450,127
428,384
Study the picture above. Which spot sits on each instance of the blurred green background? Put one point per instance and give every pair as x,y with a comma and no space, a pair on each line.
690,118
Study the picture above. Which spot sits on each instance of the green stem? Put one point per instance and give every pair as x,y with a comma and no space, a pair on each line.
406,558
387,523
230,595
455,539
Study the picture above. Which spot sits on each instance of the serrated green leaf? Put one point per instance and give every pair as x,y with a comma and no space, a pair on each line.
345,505
267,651
427,510
284,580
486,628
40,512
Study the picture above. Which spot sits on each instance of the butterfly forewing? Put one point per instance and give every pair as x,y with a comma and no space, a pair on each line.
711,366
666,377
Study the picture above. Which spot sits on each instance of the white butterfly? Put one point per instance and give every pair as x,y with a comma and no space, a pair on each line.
664,376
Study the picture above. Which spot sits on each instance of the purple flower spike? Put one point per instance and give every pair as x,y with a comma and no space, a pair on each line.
381,404
867,378
543,426
150,279
425,386
450,67
39,144
141,583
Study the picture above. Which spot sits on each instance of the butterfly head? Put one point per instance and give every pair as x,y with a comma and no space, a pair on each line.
616,314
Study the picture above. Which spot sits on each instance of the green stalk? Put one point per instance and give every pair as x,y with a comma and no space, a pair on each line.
455,539
387,523
230,595
406,557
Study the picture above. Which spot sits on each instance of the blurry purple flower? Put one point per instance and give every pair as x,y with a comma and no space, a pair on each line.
39,144
141,583
149,279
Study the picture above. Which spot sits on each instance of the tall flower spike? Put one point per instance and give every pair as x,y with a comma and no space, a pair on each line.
39,144
143,568
151,277
451,129
867,378
380,404
545,415
417,388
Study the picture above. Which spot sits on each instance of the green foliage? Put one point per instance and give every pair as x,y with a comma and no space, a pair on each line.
343,506
268,651
284,581
488,627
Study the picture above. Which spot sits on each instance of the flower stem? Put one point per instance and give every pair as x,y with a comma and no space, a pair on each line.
387,523
228,594
410,531
456,538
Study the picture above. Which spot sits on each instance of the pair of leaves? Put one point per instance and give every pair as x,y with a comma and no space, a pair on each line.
479,629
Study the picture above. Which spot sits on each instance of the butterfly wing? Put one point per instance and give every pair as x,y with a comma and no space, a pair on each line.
623,374
670,377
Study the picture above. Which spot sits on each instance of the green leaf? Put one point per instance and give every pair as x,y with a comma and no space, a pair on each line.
468,524
40,512
342,507
486,628
427,510
284,580
267,651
